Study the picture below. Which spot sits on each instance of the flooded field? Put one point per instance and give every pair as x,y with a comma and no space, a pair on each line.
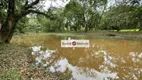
105,59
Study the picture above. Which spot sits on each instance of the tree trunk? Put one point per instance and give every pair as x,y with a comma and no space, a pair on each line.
85,25
140,29
86,28
7,30
8,27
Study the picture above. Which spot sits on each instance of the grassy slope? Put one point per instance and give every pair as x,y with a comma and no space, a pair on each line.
16,64
13,58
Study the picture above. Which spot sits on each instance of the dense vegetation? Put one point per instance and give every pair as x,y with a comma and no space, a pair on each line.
76,16
80,15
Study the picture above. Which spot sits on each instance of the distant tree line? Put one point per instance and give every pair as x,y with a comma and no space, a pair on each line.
85,15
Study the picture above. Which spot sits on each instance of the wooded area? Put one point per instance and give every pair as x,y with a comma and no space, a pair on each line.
77,15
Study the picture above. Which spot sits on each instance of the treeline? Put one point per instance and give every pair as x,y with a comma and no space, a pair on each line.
85,15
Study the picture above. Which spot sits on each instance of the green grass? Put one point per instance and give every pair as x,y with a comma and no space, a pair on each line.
126,30
11,74
129,30
12,59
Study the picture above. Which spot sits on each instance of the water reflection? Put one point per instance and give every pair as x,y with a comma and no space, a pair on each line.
115,59
61,65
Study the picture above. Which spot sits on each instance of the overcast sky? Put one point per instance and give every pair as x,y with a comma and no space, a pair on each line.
55,3
111,3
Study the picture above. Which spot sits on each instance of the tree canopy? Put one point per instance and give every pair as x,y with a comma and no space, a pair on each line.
11,11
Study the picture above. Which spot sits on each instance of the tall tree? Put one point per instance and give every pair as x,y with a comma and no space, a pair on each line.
16,10
82,13
126,14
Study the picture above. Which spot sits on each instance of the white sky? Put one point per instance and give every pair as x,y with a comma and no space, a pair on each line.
111,3
55,3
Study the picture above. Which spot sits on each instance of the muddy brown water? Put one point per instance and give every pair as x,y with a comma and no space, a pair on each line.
123,57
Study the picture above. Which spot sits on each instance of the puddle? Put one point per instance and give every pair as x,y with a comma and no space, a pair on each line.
103,60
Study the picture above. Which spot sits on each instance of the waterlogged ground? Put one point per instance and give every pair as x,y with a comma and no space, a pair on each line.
105,59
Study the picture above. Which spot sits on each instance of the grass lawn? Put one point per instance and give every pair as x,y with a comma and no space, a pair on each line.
129,30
